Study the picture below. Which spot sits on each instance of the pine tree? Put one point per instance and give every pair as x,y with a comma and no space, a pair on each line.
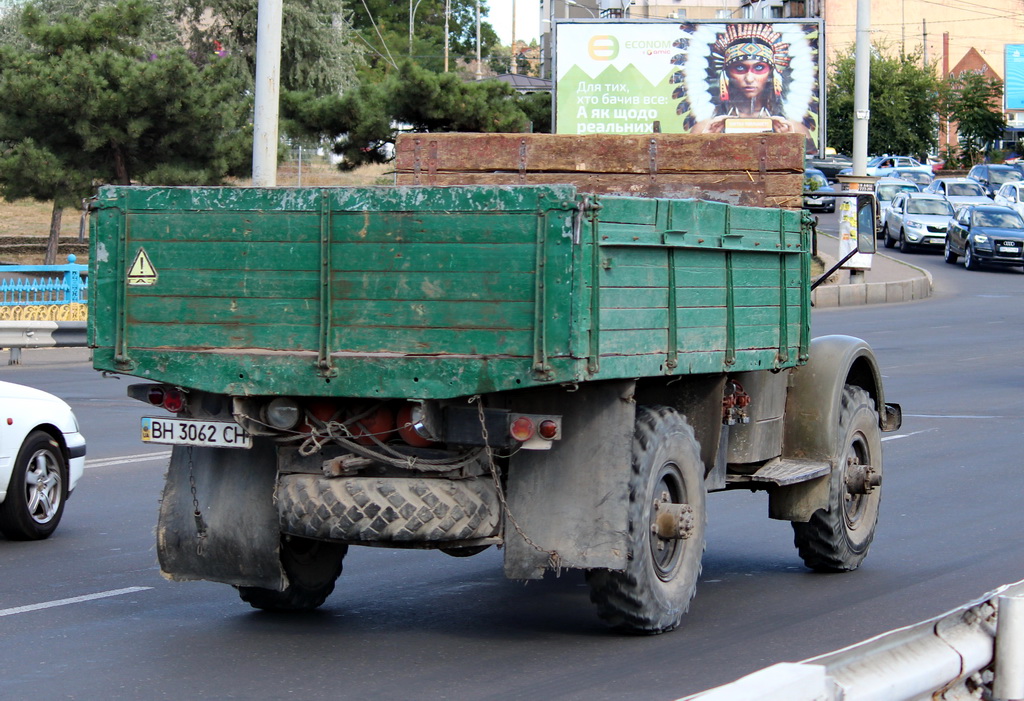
85,102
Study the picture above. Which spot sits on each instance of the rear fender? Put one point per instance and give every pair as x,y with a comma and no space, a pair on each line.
812,416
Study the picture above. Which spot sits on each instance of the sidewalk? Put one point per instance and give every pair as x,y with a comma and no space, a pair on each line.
889,280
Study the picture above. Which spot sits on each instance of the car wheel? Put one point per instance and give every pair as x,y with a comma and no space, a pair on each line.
949,256
970,260
904,246
36,493
886,238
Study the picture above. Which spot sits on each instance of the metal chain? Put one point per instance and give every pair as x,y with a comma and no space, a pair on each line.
554,559
196,513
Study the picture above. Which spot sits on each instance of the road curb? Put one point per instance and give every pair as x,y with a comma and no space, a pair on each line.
905,283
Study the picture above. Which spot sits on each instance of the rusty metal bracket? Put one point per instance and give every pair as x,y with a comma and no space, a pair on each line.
522,161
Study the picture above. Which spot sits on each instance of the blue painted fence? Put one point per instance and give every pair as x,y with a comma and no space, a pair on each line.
43,284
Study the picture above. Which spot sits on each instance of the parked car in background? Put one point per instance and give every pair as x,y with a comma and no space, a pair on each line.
959,191
879,163
986,235
916,220
42,456
886,165
817,191
992,176
914,175
830,164
885,190
1011,195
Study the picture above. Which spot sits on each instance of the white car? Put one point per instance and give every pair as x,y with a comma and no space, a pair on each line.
916,220
42,456
959,191
1011,195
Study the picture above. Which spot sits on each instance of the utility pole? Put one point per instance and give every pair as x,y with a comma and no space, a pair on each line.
267,93
924,43
513,70
862,78
447,11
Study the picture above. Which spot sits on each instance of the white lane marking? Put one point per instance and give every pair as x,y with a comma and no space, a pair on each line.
906,435
72,600
954,416
107,462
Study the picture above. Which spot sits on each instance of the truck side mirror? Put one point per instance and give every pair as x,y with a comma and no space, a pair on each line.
866,223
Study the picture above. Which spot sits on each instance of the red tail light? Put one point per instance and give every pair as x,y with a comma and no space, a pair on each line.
522,429
174,400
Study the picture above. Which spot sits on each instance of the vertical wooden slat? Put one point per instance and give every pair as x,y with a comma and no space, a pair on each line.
541,369
326,295
121,266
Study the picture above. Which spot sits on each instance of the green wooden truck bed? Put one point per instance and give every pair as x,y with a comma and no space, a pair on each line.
437,292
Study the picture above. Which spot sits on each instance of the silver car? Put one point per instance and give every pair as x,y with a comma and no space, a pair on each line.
916,219
959,191
885,190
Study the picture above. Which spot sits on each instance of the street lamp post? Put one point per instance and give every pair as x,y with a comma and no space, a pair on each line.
412,16
576,4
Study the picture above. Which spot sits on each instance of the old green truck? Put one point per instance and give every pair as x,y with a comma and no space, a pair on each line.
558,373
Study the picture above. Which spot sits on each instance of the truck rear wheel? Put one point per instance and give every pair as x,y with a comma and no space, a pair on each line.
667,522
837,539
312,567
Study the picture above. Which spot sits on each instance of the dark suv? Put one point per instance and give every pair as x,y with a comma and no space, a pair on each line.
992,177
985,234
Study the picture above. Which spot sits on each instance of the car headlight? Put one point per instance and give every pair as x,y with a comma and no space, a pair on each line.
911,224
980,238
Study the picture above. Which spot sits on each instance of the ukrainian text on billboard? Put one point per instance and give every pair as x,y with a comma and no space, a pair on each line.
698,77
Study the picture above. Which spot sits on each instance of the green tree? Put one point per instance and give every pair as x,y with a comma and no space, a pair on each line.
972,101
361,120
88,102
319,52
904,101
384,26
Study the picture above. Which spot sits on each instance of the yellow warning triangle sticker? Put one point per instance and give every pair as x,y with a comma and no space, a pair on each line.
142,271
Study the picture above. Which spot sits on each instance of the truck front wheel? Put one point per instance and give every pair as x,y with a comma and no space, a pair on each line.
837,539
312,567
667,522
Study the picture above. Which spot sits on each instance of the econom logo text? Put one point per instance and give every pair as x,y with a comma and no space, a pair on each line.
603,47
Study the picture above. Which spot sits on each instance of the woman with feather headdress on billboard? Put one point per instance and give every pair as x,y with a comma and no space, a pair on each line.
750,72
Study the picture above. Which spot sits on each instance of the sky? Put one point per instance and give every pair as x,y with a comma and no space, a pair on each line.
527,19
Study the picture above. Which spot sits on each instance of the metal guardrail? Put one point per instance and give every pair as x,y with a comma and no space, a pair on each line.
40,334
975,651
43,284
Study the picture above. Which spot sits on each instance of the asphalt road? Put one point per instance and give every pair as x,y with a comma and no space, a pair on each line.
421,625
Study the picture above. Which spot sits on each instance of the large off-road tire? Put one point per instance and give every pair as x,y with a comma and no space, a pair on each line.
388,509
654,591
837,539
312,567
37,490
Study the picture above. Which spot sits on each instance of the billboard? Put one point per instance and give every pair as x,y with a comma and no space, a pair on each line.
1013,69
621,76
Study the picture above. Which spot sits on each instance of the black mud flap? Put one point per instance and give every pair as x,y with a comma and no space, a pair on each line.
237,536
